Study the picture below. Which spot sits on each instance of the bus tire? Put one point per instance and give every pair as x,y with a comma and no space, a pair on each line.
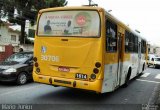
127,78
143,67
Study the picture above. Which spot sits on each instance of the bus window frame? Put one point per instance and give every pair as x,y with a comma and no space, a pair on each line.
100,19
131,34
112,21
143,46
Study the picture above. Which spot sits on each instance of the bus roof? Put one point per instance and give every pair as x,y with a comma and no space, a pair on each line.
72,8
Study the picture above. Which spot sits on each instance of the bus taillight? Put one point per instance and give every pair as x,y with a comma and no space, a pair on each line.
38,70
36,64
35,59
98,64
95,70
93,76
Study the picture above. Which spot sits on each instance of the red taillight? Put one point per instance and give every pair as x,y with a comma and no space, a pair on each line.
95,70
35,59
98,64
36,64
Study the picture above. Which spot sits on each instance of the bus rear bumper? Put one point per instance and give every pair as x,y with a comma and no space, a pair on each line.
73,83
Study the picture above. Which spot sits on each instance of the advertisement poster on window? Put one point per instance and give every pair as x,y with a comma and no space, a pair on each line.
69,23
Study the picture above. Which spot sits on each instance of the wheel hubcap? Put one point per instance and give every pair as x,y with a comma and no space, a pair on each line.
23,79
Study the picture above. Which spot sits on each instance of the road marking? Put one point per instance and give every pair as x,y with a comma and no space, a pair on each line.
12,92
148,81
158,76
145,74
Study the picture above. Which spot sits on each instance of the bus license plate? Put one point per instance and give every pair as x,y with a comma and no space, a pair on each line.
81,76
63,69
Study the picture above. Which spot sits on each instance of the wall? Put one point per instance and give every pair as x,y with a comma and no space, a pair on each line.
5,36
8,52
27,47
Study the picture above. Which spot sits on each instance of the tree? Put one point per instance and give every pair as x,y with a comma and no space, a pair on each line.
18,11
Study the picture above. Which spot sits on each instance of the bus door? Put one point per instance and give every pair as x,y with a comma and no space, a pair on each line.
139,56
120,61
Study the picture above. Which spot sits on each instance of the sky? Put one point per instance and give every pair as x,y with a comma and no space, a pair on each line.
142,15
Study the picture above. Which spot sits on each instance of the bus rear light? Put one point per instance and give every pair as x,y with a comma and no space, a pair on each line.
98,64
38,70
35,59
93,76
36,64
95,70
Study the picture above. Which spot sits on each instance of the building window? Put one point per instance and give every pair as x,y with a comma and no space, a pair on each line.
13,38
2,48
111,36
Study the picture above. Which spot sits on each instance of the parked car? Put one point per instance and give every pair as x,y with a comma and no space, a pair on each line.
150,59
150,62
18,68
157,62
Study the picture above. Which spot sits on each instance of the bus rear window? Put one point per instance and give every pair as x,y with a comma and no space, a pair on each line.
69,23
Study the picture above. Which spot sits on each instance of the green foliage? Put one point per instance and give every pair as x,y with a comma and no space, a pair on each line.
18,11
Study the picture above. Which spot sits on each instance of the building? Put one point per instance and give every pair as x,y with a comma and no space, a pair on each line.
30,30
9,40
158,51
154,49
9,35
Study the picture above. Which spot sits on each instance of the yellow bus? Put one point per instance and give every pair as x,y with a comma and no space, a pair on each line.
86,48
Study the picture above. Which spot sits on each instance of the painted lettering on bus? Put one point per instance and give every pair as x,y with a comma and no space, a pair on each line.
50,58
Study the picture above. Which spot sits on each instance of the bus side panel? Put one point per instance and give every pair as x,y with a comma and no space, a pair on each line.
109,83
126,64
134,59
110,72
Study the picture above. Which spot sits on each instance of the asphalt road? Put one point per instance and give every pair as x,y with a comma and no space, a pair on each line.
141,91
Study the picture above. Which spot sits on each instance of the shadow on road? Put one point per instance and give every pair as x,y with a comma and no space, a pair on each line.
77,96
12,84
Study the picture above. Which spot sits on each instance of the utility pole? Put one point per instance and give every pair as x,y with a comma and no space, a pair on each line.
90,2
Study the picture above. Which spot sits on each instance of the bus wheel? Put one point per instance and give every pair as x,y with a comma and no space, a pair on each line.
143,67
127,78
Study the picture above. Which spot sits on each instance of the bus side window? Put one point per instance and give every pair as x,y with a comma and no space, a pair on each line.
143,46
131,43
127,42
111,36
